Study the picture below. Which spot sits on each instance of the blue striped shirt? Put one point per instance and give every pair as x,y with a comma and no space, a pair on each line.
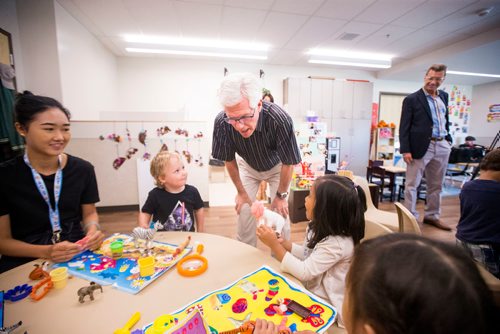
272,142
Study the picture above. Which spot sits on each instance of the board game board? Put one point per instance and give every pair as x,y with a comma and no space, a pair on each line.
99,266
256,295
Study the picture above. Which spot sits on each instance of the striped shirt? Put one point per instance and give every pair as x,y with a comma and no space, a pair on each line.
272,142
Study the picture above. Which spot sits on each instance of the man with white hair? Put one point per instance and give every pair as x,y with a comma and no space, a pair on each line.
262,135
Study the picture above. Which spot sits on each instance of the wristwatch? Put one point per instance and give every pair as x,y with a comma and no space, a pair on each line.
282,195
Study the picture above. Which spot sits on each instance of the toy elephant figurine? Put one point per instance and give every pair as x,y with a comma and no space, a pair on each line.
88,290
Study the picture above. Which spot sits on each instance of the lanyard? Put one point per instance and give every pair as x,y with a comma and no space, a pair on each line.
55,220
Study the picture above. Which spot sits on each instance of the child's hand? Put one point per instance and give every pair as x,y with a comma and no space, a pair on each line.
267,235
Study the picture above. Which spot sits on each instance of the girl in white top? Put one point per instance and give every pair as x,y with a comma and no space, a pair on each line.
335,207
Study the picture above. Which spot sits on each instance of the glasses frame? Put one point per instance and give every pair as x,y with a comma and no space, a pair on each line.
240,120
435,78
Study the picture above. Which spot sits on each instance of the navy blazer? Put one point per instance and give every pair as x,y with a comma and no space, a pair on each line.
415,127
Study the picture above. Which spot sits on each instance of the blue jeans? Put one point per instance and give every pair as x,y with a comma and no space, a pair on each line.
487,255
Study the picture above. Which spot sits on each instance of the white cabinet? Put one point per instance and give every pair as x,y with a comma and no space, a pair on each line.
344,105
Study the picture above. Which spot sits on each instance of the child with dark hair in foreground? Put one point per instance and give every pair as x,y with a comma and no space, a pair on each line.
335,206
404,283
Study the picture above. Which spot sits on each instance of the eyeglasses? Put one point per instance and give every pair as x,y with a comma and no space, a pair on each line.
438,79
241,120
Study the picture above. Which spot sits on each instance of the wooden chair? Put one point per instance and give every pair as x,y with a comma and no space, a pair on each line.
388,219
407,221
373,230
375,173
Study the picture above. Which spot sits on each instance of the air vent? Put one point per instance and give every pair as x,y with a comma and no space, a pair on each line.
347,36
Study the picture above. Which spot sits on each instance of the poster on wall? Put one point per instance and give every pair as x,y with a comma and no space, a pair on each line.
493,113
459,109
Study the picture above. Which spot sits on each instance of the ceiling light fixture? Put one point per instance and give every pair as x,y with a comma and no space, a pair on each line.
196,53
349,58
474,74
196,42
195,47
347,63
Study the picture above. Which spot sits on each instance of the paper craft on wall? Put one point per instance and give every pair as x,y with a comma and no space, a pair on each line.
123,271
459,108
262,294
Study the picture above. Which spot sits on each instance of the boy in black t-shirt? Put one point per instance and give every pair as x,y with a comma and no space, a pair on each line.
174,204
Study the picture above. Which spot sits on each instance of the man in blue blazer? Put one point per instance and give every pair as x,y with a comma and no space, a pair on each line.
426,143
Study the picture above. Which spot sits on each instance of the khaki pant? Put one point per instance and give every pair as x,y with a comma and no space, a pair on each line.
251,180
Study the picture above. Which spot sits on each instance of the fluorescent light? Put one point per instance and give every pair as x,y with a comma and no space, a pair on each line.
346,63
349,58
196,53
349,54
197,42
474,74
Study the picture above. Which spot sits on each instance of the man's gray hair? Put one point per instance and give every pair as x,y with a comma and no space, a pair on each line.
237,86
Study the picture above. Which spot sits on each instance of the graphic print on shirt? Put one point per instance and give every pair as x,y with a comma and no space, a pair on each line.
179,219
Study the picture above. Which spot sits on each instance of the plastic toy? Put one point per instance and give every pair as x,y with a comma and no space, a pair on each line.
46,283
59,277
182,246
130,323
146,266
145,234
88,290
18,293
193,265
9,329
116,249
39,272
267,217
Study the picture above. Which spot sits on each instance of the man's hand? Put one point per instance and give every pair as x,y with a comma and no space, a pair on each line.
407,158
241,199
280,206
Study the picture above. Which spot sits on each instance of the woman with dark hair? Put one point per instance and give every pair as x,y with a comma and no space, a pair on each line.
267,97
47,197
335,206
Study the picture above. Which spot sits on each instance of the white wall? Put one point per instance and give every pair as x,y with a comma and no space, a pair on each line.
8,19
190,86
88,69
483,96
37,36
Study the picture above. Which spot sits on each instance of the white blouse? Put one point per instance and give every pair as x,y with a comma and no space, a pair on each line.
323,269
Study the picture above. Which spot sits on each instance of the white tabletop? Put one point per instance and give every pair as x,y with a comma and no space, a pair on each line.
60,312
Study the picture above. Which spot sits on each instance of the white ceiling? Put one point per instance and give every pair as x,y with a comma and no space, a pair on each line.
417,32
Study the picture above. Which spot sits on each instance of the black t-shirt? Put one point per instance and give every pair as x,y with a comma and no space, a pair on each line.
174,211
27,210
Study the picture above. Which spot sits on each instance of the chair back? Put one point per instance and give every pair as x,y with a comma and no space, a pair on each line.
364,185
407,221
375,163
373,230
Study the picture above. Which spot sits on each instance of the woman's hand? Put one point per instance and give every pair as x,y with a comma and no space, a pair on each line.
94,240
63,251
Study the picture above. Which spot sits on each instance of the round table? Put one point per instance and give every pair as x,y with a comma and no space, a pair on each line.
60,312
